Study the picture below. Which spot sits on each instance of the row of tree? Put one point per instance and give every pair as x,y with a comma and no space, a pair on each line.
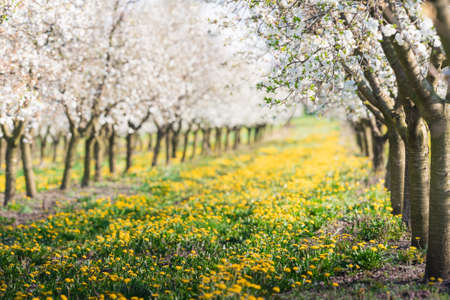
93,71
384,65
175,143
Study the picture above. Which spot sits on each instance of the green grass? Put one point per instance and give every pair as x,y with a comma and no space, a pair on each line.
288,219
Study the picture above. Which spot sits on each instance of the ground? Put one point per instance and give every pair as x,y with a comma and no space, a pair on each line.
290,218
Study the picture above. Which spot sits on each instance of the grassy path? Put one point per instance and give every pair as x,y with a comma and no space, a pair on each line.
288,219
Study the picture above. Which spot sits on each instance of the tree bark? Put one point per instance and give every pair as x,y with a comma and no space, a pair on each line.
98,156
69,161
368,141
218,145
365,136
129,155
55,145
406,212
365,142
203,152
442,23
359,141
86,180
65,141
43,147
105,144
11,170
112,152
249,135
418,182
185,144
397,170
194,144
167,144
175,139
237,138
27,164
358,136
378,159
207,142
438,255
258,130
156,150
227,139
387,176
436,111
1,152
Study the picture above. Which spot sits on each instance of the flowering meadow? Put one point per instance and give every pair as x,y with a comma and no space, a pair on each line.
141,102
278,220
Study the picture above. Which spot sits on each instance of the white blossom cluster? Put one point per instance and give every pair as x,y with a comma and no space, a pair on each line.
83,65
312,40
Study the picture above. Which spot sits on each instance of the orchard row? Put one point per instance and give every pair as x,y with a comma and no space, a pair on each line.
383,65
95,71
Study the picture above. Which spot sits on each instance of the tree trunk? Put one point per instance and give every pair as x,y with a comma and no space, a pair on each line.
364,142
249,135
364,138
368,141
359,139
43,147
31,144
387,176
194,144
69,161
438,255
27,164
378,159
98,156
105,142
218,146
156,150
185,144
167,144
203,142
55,145
175,139
112,152
406,212
129,155
237,138
418,182
258,131
397,170
65,141
86,180
1,152
208,141
227,139
11,170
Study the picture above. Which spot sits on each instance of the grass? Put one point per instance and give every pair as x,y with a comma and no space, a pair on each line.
289,219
